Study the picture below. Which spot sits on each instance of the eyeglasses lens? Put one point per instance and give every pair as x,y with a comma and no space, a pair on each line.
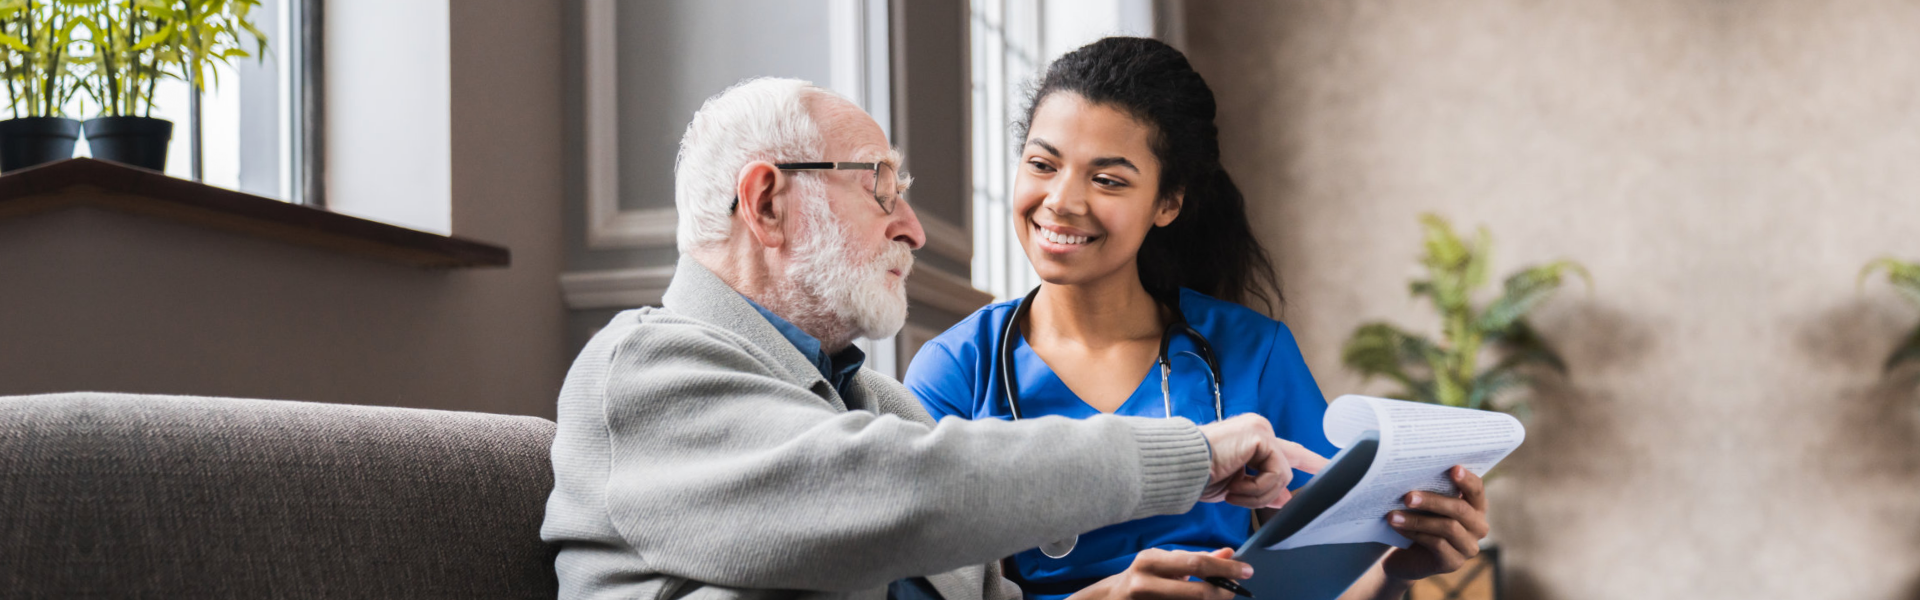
886,188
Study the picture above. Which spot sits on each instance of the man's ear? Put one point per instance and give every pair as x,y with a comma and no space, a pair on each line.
758,189
1169,208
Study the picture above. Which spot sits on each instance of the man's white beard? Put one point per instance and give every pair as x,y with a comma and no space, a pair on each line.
847,292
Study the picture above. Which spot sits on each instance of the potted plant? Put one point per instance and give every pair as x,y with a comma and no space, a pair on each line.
36,59
1448,372
135,44
1905,277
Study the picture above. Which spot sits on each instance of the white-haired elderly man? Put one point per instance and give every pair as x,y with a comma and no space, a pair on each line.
728,444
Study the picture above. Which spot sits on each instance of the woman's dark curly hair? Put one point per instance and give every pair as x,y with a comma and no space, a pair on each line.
1209,248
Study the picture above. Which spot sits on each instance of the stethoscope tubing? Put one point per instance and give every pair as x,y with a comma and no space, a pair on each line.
1165,362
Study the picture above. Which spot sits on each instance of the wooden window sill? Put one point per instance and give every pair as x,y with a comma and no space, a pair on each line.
86,182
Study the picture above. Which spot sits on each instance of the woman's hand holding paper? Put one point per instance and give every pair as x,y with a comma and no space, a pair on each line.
1446,531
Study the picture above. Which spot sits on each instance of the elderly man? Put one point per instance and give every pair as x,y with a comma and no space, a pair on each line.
729,445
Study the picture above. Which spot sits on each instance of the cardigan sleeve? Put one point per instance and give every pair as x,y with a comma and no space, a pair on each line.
720,471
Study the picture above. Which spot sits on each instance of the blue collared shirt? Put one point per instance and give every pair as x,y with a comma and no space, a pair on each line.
838,369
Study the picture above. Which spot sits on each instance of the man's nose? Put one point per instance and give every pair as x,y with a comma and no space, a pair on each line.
906,226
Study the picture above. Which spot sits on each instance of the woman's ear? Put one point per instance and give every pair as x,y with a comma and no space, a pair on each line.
1169,208
759,205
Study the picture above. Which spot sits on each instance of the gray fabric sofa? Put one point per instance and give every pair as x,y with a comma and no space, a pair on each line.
123,496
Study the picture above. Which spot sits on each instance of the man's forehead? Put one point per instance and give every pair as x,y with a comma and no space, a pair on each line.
850,132
873,150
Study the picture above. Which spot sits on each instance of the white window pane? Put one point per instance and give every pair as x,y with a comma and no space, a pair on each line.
220,127
170,102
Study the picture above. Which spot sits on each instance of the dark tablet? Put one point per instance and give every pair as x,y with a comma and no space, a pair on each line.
1313,572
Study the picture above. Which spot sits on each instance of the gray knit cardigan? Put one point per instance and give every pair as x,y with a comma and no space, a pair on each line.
699,455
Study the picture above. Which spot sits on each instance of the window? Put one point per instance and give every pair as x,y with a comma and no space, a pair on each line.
373,142
250,131
1012,41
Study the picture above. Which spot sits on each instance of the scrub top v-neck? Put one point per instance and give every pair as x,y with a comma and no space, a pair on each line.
1262,372
1051,396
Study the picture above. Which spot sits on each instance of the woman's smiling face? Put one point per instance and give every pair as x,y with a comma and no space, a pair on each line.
1086,191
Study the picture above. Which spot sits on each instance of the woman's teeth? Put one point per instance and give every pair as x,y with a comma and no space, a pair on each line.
1062,239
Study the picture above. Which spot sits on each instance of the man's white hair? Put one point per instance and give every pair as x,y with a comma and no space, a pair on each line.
757,119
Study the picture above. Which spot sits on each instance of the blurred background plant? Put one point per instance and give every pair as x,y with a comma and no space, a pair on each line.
36,55
1448,371
1905,278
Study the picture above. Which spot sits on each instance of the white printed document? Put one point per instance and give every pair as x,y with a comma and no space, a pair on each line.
1417,444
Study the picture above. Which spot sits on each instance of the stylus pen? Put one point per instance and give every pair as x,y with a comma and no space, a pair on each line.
1229,585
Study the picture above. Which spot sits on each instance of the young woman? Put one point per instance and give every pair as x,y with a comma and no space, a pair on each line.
1141,241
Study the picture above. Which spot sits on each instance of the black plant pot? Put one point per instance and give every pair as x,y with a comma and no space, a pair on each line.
137,141
28,141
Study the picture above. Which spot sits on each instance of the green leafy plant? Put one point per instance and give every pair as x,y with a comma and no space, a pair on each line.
1905,278
124,72
1448,371
36,55
138,42
202,32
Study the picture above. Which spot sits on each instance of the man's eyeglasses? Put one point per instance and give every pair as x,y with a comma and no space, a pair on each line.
878,177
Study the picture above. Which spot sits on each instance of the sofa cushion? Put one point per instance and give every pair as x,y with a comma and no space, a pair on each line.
114,495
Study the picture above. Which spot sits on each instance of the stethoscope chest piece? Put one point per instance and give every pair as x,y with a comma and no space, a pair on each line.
1059,548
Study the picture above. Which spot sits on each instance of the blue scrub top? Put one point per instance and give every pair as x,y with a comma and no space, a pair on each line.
1262,372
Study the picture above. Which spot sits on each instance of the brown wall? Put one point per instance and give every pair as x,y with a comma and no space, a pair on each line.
91,300
1724,168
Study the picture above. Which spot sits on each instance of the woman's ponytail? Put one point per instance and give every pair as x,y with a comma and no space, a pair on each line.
1211,249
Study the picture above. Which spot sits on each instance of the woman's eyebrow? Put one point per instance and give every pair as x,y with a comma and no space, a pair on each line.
1115,161
1098,163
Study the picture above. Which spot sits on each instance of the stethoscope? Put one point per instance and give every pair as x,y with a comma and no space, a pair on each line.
1061,548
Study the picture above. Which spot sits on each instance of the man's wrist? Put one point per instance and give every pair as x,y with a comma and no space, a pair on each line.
1173,475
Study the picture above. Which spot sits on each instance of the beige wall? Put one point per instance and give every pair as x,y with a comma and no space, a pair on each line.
91,300
1724,168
